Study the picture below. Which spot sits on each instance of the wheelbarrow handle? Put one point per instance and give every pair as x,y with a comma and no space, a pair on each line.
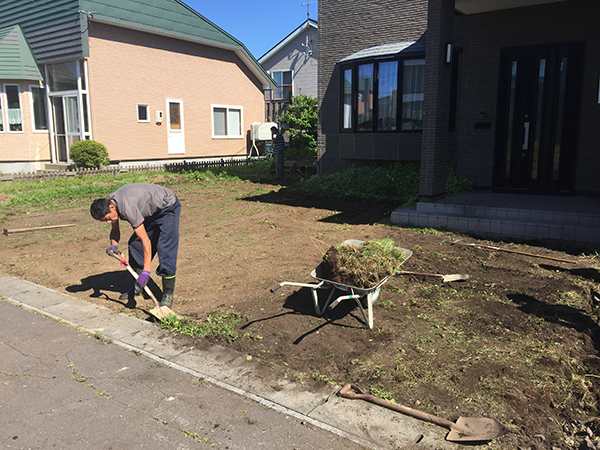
273,289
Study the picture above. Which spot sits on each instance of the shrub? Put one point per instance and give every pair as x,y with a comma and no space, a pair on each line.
88,154
301,119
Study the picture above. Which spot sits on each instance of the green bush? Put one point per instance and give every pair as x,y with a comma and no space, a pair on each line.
88,154
301,119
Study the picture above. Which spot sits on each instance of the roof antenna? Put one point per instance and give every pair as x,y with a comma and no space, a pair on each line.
307,4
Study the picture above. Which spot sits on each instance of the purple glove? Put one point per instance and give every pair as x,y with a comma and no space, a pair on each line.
143,278
113,248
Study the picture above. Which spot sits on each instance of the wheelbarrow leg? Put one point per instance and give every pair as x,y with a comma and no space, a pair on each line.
315,293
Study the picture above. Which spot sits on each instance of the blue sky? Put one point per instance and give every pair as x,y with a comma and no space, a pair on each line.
259,25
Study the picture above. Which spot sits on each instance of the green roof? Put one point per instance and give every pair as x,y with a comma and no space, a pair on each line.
170,18
16,60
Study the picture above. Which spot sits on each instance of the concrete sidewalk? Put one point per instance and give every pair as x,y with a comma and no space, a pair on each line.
62,388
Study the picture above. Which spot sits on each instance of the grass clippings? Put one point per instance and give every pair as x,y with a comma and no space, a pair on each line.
362,266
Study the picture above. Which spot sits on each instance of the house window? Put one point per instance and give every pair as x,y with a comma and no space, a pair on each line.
1,113
227,122
38,107
347,101
413,94
283,79
387,96
143,113
365,97
13,107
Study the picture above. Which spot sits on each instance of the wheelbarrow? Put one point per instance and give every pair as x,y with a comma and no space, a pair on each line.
364,297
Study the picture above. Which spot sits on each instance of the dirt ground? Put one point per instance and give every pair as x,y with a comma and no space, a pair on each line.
517,342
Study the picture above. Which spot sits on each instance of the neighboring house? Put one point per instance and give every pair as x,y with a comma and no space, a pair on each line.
293,65
152,81
506,91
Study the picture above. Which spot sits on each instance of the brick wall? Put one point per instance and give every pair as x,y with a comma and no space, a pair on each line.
485,35
344,29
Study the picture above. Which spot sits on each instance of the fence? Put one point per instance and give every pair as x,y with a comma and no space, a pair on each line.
114,170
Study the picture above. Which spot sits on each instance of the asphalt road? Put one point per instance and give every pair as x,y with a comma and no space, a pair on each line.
61,388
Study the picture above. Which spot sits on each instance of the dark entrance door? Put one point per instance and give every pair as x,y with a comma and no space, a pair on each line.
538,116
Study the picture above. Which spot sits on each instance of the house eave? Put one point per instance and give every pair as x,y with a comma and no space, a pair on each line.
240,51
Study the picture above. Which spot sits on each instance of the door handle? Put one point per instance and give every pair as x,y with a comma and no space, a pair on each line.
526,137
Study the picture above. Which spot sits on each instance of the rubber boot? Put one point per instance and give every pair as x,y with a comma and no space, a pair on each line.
168,289
134,291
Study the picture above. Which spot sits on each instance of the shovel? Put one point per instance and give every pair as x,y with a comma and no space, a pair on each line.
445,278
466,429
160,312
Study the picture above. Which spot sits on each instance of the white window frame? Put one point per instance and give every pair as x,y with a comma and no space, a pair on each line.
7,124
147,112
33,127
291,85
227,108
2,114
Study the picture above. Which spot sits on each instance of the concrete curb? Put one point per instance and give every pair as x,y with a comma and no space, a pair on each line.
369,425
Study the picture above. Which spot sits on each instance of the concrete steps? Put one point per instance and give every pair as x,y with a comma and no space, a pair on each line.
563,219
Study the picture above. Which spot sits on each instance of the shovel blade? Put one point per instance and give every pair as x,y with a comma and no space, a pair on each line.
473,429
456,277
162,312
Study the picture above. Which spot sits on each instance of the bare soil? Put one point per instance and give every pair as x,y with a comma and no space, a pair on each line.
517,342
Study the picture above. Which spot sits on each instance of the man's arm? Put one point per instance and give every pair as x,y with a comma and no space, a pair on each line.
141,233
115,233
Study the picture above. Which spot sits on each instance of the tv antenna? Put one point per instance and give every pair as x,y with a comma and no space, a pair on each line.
307,4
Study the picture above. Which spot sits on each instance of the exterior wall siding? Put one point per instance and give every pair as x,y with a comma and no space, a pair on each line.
26,149
128,67
485,35
343,31
52,32
293,57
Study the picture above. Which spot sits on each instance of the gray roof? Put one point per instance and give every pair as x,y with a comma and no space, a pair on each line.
16,60
387,50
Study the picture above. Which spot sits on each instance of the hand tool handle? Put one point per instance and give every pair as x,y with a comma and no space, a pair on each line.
118,255
528,254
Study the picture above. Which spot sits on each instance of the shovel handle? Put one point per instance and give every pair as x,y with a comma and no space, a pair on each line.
406,272
347,393
118,255
489,247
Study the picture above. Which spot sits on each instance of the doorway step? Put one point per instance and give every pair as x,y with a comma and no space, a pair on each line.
571,219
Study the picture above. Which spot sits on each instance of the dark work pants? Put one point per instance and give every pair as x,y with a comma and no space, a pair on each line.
163,231
279,164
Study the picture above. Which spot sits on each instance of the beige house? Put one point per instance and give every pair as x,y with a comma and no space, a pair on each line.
153,83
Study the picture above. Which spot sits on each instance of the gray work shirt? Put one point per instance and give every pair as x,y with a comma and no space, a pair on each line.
135,202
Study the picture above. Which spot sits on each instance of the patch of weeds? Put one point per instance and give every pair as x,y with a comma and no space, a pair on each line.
252,336
218,323
570,298
101,338
268,222
379,391
197,437
319,377
385,304
82,379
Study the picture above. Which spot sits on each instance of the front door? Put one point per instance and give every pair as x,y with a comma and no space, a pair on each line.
176,137
538,115
66,123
